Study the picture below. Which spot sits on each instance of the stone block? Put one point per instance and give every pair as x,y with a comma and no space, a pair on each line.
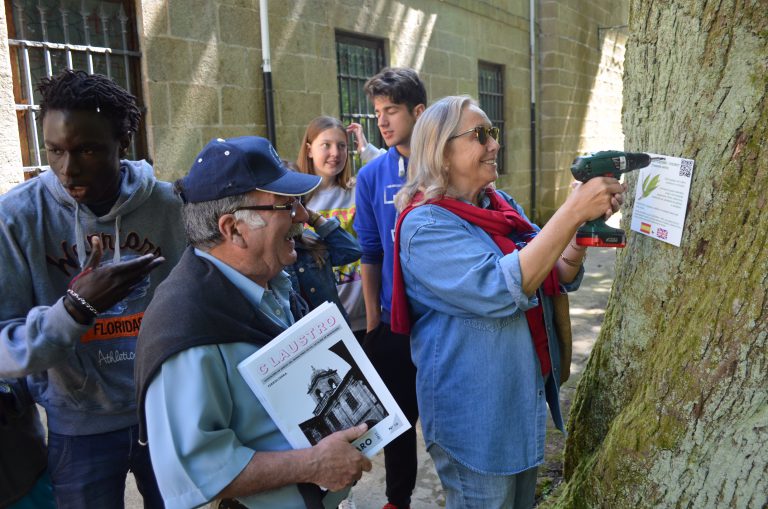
291,105
290,72
324,42
321,75
167,59
552,60
205,60
242,106
231,66
194,105
436,61
549,10
463,67
154,18
159,104
291,36
193,19
441,86
447,41
288,141
330,103
240,26
467,87
315,11
175,149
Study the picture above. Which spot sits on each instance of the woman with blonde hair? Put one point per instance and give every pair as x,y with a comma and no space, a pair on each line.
323,152
473,280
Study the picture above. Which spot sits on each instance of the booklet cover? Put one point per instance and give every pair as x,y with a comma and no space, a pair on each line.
314,379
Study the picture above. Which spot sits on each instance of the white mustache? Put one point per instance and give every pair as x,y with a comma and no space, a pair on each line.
296,230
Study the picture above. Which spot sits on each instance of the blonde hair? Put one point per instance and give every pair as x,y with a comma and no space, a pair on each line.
344,179
426,167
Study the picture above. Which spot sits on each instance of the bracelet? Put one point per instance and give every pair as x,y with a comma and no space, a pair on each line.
81,302
313,219
580,249
572,263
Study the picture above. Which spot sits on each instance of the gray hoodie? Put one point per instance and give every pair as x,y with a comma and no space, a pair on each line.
81,374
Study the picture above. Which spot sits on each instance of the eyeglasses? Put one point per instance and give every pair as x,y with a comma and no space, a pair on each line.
481,132
291,206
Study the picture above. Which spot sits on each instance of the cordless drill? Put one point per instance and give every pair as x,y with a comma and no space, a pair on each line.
609,163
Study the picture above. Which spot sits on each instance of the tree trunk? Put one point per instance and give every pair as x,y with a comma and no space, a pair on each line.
672,410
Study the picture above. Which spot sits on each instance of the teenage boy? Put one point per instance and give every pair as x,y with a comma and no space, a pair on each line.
83,247
398,97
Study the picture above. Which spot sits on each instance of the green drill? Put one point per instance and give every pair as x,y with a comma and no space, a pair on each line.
608,163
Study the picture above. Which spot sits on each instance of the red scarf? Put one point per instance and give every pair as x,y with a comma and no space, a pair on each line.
499,221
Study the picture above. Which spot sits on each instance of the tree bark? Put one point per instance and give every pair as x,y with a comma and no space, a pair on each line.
672,410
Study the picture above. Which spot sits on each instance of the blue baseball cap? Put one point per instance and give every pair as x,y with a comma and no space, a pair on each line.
240,165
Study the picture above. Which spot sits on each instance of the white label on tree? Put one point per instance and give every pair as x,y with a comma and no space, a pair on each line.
661,198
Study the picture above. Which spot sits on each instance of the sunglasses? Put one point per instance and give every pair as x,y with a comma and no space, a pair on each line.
291,206
481,132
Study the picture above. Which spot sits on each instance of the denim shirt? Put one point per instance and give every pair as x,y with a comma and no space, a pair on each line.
314,282
481,394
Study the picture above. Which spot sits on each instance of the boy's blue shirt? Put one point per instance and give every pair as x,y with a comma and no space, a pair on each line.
377,184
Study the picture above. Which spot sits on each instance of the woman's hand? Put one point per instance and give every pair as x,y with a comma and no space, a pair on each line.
357,130
315,219
602,196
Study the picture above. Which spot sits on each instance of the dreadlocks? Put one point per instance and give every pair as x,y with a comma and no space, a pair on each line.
80,91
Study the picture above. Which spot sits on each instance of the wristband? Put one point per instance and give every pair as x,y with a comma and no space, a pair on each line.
81,303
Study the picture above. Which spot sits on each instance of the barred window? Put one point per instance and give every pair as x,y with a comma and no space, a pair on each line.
358,59
491,91
47,36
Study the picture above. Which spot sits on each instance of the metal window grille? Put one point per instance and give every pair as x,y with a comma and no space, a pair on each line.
47,36
358,59
491,91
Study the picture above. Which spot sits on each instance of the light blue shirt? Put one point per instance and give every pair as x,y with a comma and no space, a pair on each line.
203,421
273,302
478,382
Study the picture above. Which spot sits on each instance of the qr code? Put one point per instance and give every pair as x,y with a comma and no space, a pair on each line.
686,167
661,233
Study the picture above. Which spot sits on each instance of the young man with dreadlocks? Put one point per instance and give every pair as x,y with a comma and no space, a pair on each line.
84,246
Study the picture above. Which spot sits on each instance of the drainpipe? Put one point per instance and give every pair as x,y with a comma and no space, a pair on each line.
532,30
266,67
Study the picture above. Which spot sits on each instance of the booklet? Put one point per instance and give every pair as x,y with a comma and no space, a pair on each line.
314,379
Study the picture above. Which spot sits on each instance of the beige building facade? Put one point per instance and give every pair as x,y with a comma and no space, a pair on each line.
199,73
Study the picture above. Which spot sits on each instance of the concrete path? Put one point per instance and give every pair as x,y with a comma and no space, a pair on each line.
587,310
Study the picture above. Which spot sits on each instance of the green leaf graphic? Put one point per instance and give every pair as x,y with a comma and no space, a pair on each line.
650,185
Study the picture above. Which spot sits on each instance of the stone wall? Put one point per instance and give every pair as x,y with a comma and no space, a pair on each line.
582,61
10,157
202,76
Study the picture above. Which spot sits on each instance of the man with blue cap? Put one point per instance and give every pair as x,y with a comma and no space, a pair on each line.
209,436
